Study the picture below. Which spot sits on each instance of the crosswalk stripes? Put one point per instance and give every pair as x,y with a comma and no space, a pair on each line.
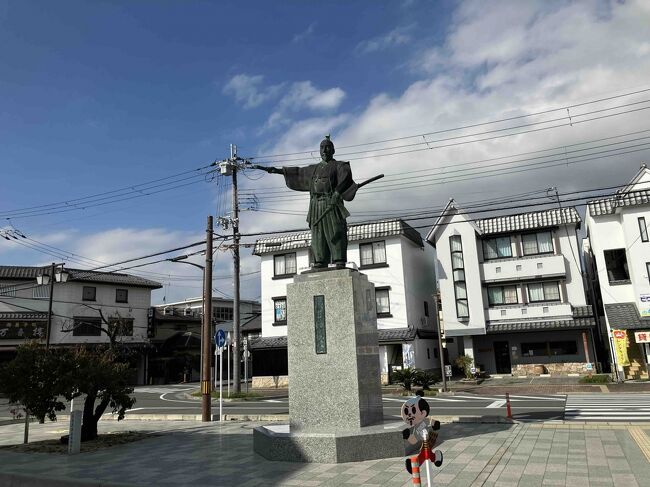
607,407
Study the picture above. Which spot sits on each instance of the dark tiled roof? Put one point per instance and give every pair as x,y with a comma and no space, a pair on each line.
582,311
361,231
261,343
607,206
20,315
29,273
385,336
253,324
522,326
625,316
529,221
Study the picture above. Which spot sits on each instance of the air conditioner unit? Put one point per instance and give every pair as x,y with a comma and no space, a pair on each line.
188,312
168,311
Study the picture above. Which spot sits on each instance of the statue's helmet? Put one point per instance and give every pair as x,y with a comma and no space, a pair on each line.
327,141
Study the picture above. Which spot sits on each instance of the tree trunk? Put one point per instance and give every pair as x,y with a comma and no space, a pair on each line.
89,424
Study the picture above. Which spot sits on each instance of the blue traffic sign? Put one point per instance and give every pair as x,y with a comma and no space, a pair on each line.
220,338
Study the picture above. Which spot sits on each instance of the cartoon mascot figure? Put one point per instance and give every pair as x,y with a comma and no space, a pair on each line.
414,412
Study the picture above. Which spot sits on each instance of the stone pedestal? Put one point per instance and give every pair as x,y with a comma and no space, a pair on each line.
335,405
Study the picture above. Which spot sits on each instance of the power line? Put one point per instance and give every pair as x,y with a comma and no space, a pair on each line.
467,126
454,164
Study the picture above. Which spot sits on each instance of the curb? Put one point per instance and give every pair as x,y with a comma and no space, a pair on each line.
18,480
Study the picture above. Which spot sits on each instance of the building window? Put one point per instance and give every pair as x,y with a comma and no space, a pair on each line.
121,295
382,298
89,293
537,243
223,313
87,327
458,270
284,264
8,291
643,230
123,326
567,347
372,253
537,349
426,309
616,264
497,248
280,310
543,291
498,295
41,292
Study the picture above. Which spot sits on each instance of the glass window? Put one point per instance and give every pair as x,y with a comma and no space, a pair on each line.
284,264
426,308
460,289
121,295
87,327
382,297
222,313
89,293
536,349
9,290
502,295
643,230
497,248
537,243
567,347
280,310
616,265
373,253
543,291
41,292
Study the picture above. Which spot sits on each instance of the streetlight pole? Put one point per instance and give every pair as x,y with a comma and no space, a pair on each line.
206,389
49,308
44,279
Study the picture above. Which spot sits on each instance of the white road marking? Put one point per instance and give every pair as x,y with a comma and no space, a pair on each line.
271,400
496,404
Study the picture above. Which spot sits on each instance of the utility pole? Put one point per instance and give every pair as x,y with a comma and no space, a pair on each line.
49,308
206,390
235,253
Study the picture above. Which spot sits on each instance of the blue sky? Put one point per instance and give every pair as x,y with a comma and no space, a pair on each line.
101,95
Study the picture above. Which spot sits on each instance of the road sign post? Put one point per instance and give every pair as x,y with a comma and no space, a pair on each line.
246,363
228,361
220,341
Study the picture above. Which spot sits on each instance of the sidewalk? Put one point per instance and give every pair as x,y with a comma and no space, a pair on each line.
221,455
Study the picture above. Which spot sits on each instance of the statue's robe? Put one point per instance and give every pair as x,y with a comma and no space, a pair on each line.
326,218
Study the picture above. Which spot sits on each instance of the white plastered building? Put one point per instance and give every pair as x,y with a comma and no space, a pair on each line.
393,256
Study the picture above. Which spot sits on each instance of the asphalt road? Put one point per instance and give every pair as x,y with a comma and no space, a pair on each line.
173,400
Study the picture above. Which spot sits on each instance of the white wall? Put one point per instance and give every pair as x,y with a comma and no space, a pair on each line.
410,275
453,327
67,304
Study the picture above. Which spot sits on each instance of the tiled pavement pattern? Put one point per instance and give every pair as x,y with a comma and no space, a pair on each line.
475,455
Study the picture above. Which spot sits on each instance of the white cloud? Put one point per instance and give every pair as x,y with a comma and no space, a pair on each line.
249,90
514,58
396,37
304,95
305,33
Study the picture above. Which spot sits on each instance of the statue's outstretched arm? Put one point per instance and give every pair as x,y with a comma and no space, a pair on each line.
270,170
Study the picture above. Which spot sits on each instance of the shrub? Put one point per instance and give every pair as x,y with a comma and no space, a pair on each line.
464,362
425,378
406,377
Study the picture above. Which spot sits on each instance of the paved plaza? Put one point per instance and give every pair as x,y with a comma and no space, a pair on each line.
189,453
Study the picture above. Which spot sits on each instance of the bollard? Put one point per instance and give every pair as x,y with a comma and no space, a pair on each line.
415,471
508,410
